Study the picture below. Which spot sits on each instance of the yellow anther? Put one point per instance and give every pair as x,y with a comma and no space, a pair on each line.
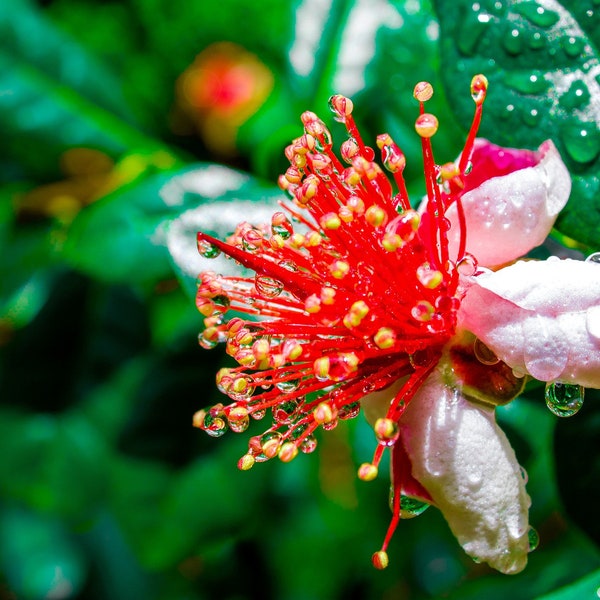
339,269
261,349
385,338
367,472
297,240
321,367
288,452
246,462
327,295
356,205
376,216
313,239
380,560
330,221
198,418
323,413
423,91
426,125
391,242
360,308
345,214
312,304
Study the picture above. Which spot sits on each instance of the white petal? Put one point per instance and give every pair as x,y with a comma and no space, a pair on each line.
509,215
467,465
540,317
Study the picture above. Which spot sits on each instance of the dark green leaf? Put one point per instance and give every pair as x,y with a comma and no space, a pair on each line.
53,95
123,237
543,67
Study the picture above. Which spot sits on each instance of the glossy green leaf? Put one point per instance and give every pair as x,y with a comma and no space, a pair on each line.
123,237
543,63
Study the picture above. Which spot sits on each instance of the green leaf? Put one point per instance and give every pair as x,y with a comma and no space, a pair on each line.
586,587
55,96
38,556
123,237
543,66
374,53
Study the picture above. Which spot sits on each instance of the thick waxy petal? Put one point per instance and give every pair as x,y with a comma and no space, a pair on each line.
465,462
510,214
540,317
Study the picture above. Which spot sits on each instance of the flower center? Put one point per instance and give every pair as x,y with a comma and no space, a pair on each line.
354,289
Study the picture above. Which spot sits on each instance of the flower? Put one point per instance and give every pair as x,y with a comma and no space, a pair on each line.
358,301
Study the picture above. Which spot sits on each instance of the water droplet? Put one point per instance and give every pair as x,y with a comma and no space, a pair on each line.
267,286
512,40
564,399
289,385
349,411
284,412
582,141
527,83
471,30
258,414
537,41
534,539
308,444
573,46
288,265
467,265
531,117
411,507
281,225
595,257
207,249
330,425
524,475
241,387
537,14
215,426
483,354
576,96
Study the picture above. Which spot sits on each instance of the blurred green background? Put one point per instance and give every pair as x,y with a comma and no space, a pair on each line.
112,117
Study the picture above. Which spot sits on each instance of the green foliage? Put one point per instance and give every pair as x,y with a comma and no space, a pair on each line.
542,64
106,491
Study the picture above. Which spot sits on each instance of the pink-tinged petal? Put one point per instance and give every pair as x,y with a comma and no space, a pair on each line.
465,462
540,317
509,214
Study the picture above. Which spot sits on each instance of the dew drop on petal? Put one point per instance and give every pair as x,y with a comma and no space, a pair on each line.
483,354
534,539
467,265
411,507
564,399
595,258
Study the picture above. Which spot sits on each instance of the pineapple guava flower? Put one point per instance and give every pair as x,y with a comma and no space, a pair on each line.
358,301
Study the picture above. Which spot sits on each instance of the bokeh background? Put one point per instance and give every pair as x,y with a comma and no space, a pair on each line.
113,117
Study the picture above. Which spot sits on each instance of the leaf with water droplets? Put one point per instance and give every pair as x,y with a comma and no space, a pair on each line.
542,59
